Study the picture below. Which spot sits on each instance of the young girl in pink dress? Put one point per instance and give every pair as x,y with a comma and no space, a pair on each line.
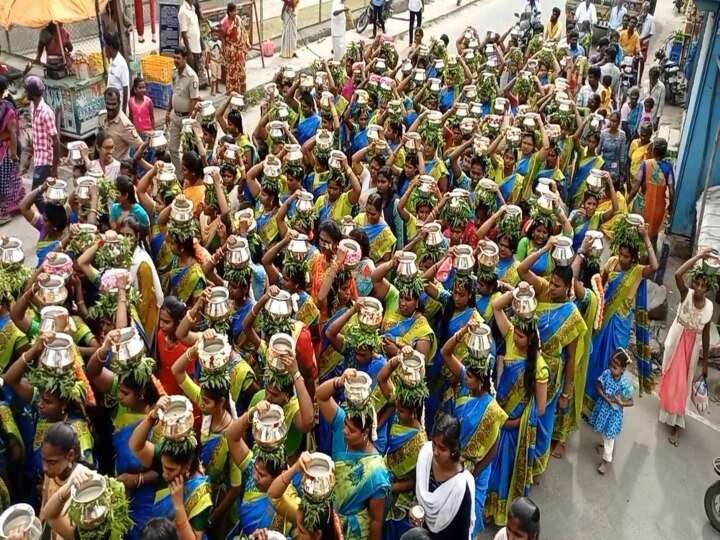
141,108
689,332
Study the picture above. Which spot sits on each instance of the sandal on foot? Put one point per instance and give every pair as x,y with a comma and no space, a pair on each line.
674,442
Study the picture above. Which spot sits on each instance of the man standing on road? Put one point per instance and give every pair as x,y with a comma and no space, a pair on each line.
119,73
185,94
655,89
191,35
415,7
647,30
337,28
46,143
617,13
119,126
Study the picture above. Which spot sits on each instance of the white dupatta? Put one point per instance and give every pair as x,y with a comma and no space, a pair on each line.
141,256
443,504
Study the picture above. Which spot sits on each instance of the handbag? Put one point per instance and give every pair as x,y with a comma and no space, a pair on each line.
699,395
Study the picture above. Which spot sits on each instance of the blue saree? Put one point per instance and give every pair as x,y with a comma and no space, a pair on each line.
307,128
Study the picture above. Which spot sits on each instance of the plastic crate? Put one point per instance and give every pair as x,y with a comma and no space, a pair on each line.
676,51
159,93
158,69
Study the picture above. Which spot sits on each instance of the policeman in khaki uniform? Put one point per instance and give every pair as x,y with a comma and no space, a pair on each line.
185,95
118,126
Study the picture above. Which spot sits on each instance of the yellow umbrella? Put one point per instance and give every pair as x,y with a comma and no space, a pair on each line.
38,13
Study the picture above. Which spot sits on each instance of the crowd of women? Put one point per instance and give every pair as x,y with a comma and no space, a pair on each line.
379,312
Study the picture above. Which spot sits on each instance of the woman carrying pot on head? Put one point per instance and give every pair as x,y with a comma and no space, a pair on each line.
403,322
294,279
134,387
687,340
214,220
58,398
405,392
509,231
588,159
67,516
213,396
443,487
522,393
361,502
338,201
267,192
503,171
625,298
52,222
292,388
561,328
176,461
539,230
588,217
184,276
62,464
382,240
480,416
261,465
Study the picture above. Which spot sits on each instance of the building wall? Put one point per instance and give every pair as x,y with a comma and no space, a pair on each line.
700,126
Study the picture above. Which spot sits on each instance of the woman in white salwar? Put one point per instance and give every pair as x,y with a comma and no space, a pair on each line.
289,35
689,332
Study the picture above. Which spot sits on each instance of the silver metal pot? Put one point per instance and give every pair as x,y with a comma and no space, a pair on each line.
51,291
130,348
299,247
59,354
464,260
91,495
412,369
182,210
177,418
371,313
11,252
305,203
319,481
434,234
218,305
563,254
269,428
407,264
22,517
597,247
279,306
489,254
280,346
358,389
214,353
353,254
49,316
479,340
238,253
524,302
57,193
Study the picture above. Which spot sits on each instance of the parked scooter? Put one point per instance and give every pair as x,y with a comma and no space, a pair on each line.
679,5
712,499
671,77
629,68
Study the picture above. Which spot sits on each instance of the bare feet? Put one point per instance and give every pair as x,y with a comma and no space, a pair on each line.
558,450
602,469
674,439
599,448
154,39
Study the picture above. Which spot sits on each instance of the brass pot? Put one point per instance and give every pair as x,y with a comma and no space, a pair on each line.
319,481
524,301
479,341
130,348
371,313
177,418
214,353
59,354
269,428
218,305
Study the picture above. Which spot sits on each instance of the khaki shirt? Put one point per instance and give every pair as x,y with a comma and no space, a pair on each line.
185,89
123,134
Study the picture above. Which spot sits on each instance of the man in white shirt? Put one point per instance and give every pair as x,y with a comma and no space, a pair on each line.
119,73
654,88
337,28
586,12
617,13
647,30
191,35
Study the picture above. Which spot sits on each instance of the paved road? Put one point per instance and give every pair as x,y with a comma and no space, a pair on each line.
653,490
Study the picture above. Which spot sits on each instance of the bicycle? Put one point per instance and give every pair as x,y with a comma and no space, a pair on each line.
362,22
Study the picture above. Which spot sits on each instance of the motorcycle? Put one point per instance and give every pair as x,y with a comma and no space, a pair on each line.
679,5
712,499
524,31
629,68
670,77
362,22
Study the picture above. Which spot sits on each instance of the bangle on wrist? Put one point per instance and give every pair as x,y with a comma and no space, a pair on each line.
297,376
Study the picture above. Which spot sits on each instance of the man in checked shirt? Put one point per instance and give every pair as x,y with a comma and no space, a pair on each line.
46,142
